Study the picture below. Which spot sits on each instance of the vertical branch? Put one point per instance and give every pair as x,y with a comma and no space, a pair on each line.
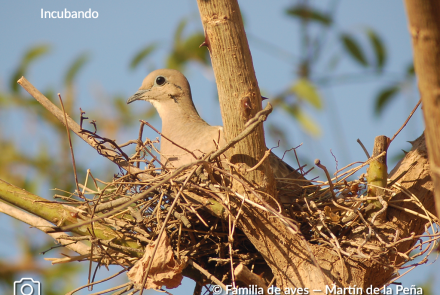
237,85
424,27
240,100
378,171
378,175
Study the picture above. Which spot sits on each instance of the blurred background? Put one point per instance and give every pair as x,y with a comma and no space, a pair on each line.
334,70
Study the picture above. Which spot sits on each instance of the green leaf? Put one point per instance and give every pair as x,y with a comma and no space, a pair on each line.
306,122
410,70
141,55
379,49
176,59
384,97
3,99
308,13
35,52
305,90
75,67
188,50
191,46
334,62
277,133
353,48
17,75
30,56
179,31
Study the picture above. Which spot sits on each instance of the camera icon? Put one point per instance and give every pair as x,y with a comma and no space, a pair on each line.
27,286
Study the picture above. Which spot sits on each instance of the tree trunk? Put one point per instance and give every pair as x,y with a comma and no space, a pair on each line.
424,27
237,85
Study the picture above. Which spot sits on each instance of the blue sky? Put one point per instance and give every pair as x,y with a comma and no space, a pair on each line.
124,27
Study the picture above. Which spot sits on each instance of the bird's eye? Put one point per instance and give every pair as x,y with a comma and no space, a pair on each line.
160,80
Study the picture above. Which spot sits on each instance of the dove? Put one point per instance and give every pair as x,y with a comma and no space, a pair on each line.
170,93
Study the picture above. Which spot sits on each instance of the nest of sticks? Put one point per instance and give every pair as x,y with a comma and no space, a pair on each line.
189,215
196,210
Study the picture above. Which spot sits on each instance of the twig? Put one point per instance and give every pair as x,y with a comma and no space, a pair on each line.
134,199
109,154
259,117
243,274
150,262
206,273
364,148
71,150
98,282
266,154
410,211
406,122
129,284
330,183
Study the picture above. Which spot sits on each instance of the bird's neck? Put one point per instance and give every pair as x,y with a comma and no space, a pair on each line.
178,116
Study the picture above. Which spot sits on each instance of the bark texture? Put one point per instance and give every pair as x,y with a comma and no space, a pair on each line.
424,27
237,85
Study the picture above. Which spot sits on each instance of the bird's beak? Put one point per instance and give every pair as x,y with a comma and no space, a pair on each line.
137,96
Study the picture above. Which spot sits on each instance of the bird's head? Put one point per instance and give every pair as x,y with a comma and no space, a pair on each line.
162,87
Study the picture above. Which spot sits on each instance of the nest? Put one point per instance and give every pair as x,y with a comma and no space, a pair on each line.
195,211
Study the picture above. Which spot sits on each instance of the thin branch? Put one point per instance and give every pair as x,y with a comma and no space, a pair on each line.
109,154
407,119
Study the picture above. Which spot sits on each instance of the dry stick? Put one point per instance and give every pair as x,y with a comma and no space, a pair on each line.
334,200
338,247
250,125
156,159
140,143
363,147
406,122
290,226
330,183
266,154
80,194
150,263
231,237
347,166
178,241
135,199
195,211
230,240
127,285
108,153
206,273
94,283
243,274
71,152
259,117
356,169
410,211
417,201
